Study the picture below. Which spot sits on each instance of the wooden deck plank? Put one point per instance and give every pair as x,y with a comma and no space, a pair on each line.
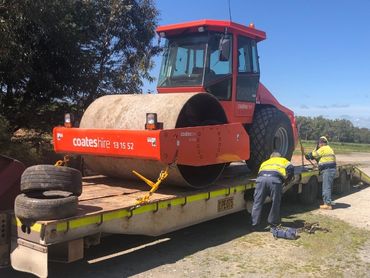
104,194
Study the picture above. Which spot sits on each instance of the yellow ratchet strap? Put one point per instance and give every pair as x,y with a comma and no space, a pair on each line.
63,162
154,186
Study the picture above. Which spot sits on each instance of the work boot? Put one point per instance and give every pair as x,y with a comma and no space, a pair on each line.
326,206
258,228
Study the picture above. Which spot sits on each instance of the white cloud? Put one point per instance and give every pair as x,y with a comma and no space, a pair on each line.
340,105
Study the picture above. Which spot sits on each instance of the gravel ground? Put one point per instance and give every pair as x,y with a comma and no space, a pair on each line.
357,204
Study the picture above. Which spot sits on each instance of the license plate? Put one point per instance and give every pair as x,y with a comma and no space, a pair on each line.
225,204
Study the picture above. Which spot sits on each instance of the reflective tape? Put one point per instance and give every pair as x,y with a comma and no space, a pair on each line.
35,227
152,207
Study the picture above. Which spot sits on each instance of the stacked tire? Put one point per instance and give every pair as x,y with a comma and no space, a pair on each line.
48,192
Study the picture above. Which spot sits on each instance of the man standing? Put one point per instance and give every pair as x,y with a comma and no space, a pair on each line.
327,166
271,176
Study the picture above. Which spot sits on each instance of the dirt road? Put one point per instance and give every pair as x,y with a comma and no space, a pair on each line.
357,205
226,247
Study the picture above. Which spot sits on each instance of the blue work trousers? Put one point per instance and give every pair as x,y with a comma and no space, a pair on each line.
267,186
328,176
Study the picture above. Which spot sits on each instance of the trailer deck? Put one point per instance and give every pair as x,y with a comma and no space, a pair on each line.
105,199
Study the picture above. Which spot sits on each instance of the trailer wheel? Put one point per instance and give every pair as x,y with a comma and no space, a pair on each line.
309,191
50,177
344,182
271,131
337,186
37,206
291,195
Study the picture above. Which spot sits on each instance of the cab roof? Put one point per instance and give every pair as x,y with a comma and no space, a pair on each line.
214,25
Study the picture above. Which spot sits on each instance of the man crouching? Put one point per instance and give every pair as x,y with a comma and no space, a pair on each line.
271,176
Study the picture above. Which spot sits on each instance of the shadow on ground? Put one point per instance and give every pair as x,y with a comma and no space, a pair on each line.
145,255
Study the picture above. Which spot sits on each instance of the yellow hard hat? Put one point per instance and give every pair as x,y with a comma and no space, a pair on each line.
323,139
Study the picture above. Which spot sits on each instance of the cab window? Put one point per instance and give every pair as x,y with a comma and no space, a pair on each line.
248,70
218,77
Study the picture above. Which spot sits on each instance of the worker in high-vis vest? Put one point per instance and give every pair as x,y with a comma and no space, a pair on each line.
325,157
271,176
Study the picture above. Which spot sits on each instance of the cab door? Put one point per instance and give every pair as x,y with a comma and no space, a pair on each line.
248,75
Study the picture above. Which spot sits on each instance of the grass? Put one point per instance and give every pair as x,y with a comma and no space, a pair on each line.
334,252
322,254
339,148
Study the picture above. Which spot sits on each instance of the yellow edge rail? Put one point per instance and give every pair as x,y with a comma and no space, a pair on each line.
361,175
151,207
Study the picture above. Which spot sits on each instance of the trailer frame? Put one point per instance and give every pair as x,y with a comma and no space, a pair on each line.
32,245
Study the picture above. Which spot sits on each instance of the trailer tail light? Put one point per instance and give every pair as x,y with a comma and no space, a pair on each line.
151,121
68,120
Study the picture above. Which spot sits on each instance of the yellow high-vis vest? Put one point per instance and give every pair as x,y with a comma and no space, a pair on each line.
325,155
275,164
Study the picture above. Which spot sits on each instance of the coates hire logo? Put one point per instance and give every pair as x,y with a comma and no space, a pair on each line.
85,142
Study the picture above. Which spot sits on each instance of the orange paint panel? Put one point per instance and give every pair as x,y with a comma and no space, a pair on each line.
206,145
107,142
217,25
170,90
195,146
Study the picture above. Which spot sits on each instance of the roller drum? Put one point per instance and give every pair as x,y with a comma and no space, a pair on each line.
175,110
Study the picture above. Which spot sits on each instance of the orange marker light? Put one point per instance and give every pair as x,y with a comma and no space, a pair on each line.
67,120
251,25
151,121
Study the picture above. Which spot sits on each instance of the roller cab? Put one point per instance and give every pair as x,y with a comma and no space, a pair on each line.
213,56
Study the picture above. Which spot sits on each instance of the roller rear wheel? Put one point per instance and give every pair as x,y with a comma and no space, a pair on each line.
271,131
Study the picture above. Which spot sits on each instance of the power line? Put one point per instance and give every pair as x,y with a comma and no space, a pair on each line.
229,10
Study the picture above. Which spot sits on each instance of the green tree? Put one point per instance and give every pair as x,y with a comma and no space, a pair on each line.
338,130
305,127
60,55
4,131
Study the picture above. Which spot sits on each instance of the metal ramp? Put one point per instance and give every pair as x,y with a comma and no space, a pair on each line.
360,175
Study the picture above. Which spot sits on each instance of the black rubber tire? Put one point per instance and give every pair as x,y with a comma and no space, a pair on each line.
345,182
268,124
40,207
337,188
291,195
319,191
309,191
50,177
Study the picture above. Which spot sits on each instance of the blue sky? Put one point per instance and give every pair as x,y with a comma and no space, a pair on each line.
316,58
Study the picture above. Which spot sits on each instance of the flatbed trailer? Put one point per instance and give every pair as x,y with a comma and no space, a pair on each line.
109,206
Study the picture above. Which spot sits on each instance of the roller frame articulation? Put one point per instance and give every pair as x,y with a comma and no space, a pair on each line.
193,146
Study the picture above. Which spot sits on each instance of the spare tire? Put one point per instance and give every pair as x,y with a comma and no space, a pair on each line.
270,131
37,206
50,177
